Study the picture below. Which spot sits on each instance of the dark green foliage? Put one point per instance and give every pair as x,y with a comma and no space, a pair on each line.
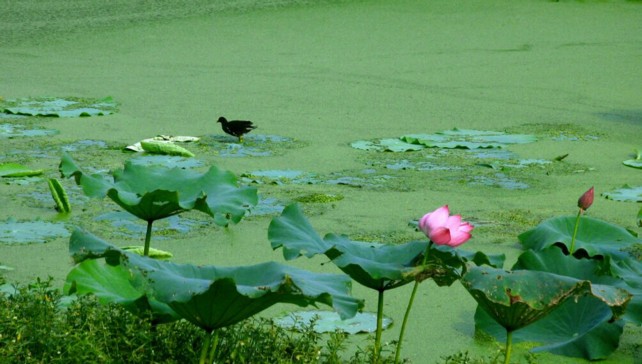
40,325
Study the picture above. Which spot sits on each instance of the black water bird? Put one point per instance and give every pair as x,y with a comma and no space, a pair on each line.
236,127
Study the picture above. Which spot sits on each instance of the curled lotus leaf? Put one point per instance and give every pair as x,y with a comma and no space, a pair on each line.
18,170
156,192
625,193
515,299
164,147
208,296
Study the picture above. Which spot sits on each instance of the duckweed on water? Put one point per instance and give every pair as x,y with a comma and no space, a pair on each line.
319,198
254,145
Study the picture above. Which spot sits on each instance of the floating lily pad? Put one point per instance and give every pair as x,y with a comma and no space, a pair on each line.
330,321
626,193
60,107
84,144
499,180
166,161
18,170
15,232
267,206
132,227
635,163
386,145
467,139
17,130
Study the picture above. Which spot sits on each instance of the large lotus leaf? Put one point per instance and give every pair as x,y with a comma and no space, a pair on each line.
293,232
213,297
467,139
116,284
374,265
516,299
445,264
626,274
581,328
377,266
626,193
595,236
156,192
630,271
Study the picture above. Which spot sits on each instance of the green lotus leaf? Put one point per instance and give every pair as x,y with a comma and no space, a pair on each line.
208,296
595,236
18,170
634,163
117,284
623,273
156,192
578,329
377,266
60,107
374,265
518,298
626,193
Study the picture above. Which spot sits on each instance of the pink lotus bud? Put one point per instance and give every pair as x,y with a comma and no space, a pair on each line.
586,200
443,229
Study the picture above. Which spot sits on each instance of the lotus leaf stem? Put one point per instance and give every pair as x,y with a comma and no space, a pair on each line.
577,224
409,307
377,345
509,346
208,350
148,237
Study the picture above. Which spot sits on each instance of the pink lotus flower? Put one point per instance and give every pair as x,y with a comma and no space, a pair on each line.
586,200
443,229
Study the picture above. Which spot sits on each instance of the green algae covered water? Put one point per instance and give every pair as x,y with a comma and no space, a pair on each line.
317,78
